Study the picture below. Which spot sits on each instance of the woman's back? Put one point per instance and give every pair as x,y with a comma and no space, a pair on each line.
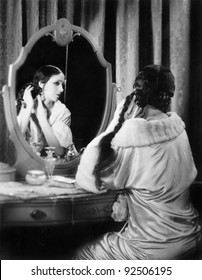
146,155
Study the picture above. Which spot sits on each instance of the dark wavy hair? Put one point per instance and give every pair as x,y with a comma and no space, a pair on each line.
154,85
43,74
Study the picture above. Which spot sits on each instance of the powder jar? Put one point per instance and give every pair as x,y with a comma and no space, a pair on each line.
35,177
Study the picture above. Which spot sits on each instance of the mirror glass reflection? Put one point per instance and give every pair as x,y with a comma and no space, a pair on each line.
84,93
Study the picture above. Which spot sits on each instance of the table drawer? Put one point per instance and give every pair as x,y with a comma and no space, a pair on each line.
93,209
36,214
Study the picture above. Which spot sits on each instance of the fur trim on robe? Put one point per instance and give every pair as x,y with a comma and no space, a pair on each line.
140,132
135,132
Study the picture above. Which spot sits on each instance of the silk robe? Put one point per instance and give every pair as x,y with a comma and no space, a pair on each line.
155,169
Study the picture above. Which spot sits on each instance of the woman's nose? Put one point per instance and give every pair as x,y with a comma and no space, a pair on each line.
61,89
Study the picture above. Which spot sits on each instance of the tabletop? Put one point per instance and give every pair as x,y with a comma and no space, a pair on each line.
51,203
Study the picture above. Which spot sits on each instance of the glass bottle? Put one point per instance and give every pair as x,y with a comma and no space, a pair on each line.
50,161
70,152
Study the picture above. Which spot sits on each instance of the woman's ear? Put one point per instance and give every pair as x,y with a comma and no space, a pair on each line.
41,85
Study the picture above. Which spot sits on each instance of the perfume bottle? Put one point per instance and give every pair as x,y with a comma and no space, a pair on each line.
50,161
70,152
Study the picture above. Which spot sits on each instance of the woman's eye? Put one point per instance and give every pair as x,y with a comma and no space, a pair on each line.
57,83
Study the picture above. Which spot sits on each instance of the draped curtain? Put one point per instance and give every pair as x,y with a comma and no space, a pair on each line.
130,21
131,34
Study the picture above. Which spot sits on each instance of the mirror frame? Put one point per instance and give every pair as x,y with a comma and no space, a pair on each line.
26,159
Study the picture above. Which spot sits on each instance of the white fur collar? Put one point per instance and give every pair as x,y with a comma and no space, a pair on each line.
141,132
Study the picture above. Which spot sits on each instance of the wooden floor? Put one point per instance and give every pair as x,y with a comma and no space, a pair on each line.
49,243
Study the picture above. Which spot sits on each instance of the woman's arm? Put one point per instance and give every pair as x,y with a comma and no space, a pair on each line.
23,117
48,132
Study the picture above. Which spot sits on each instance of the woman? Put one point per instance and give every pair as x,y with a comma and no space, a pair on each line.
146,153
43,119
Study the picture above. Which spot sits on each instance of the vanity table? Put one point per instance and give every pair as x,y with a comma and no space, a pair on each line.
48,223
35,225
25,205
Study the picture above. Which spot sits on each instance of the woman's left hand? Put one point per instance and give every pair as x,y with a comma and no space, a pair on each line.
120,209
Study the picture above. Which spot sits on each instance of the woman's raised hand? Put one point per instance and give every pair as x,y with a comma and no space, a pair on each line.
27,97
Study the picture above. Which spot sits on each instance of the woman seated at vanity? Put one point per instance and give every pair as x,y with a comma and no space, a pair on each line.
43,119
145,153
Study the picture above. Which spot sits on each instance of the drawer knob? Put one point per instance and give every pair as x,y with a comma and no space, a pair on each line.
38,215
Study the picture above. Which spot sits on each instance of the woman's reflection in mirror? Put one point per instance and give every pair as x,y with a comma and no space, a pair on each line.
43,119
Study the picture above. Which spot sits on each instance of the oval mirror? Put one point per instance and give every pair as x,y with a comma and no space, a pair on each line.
88,92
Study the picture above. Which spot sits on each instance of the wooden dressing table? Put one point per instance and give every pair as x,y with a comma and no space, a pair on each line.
35,209
52,226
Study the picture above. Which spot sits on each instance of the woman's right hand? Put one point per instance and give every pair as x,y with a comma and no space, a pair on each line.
41,111
27,97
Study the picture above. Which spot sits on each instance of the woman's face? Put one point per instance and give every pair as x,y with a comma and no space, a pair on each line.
54,87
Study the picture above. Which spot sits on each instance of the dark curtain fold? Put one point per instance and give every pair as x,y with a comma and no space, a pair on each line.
194,123
131,34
